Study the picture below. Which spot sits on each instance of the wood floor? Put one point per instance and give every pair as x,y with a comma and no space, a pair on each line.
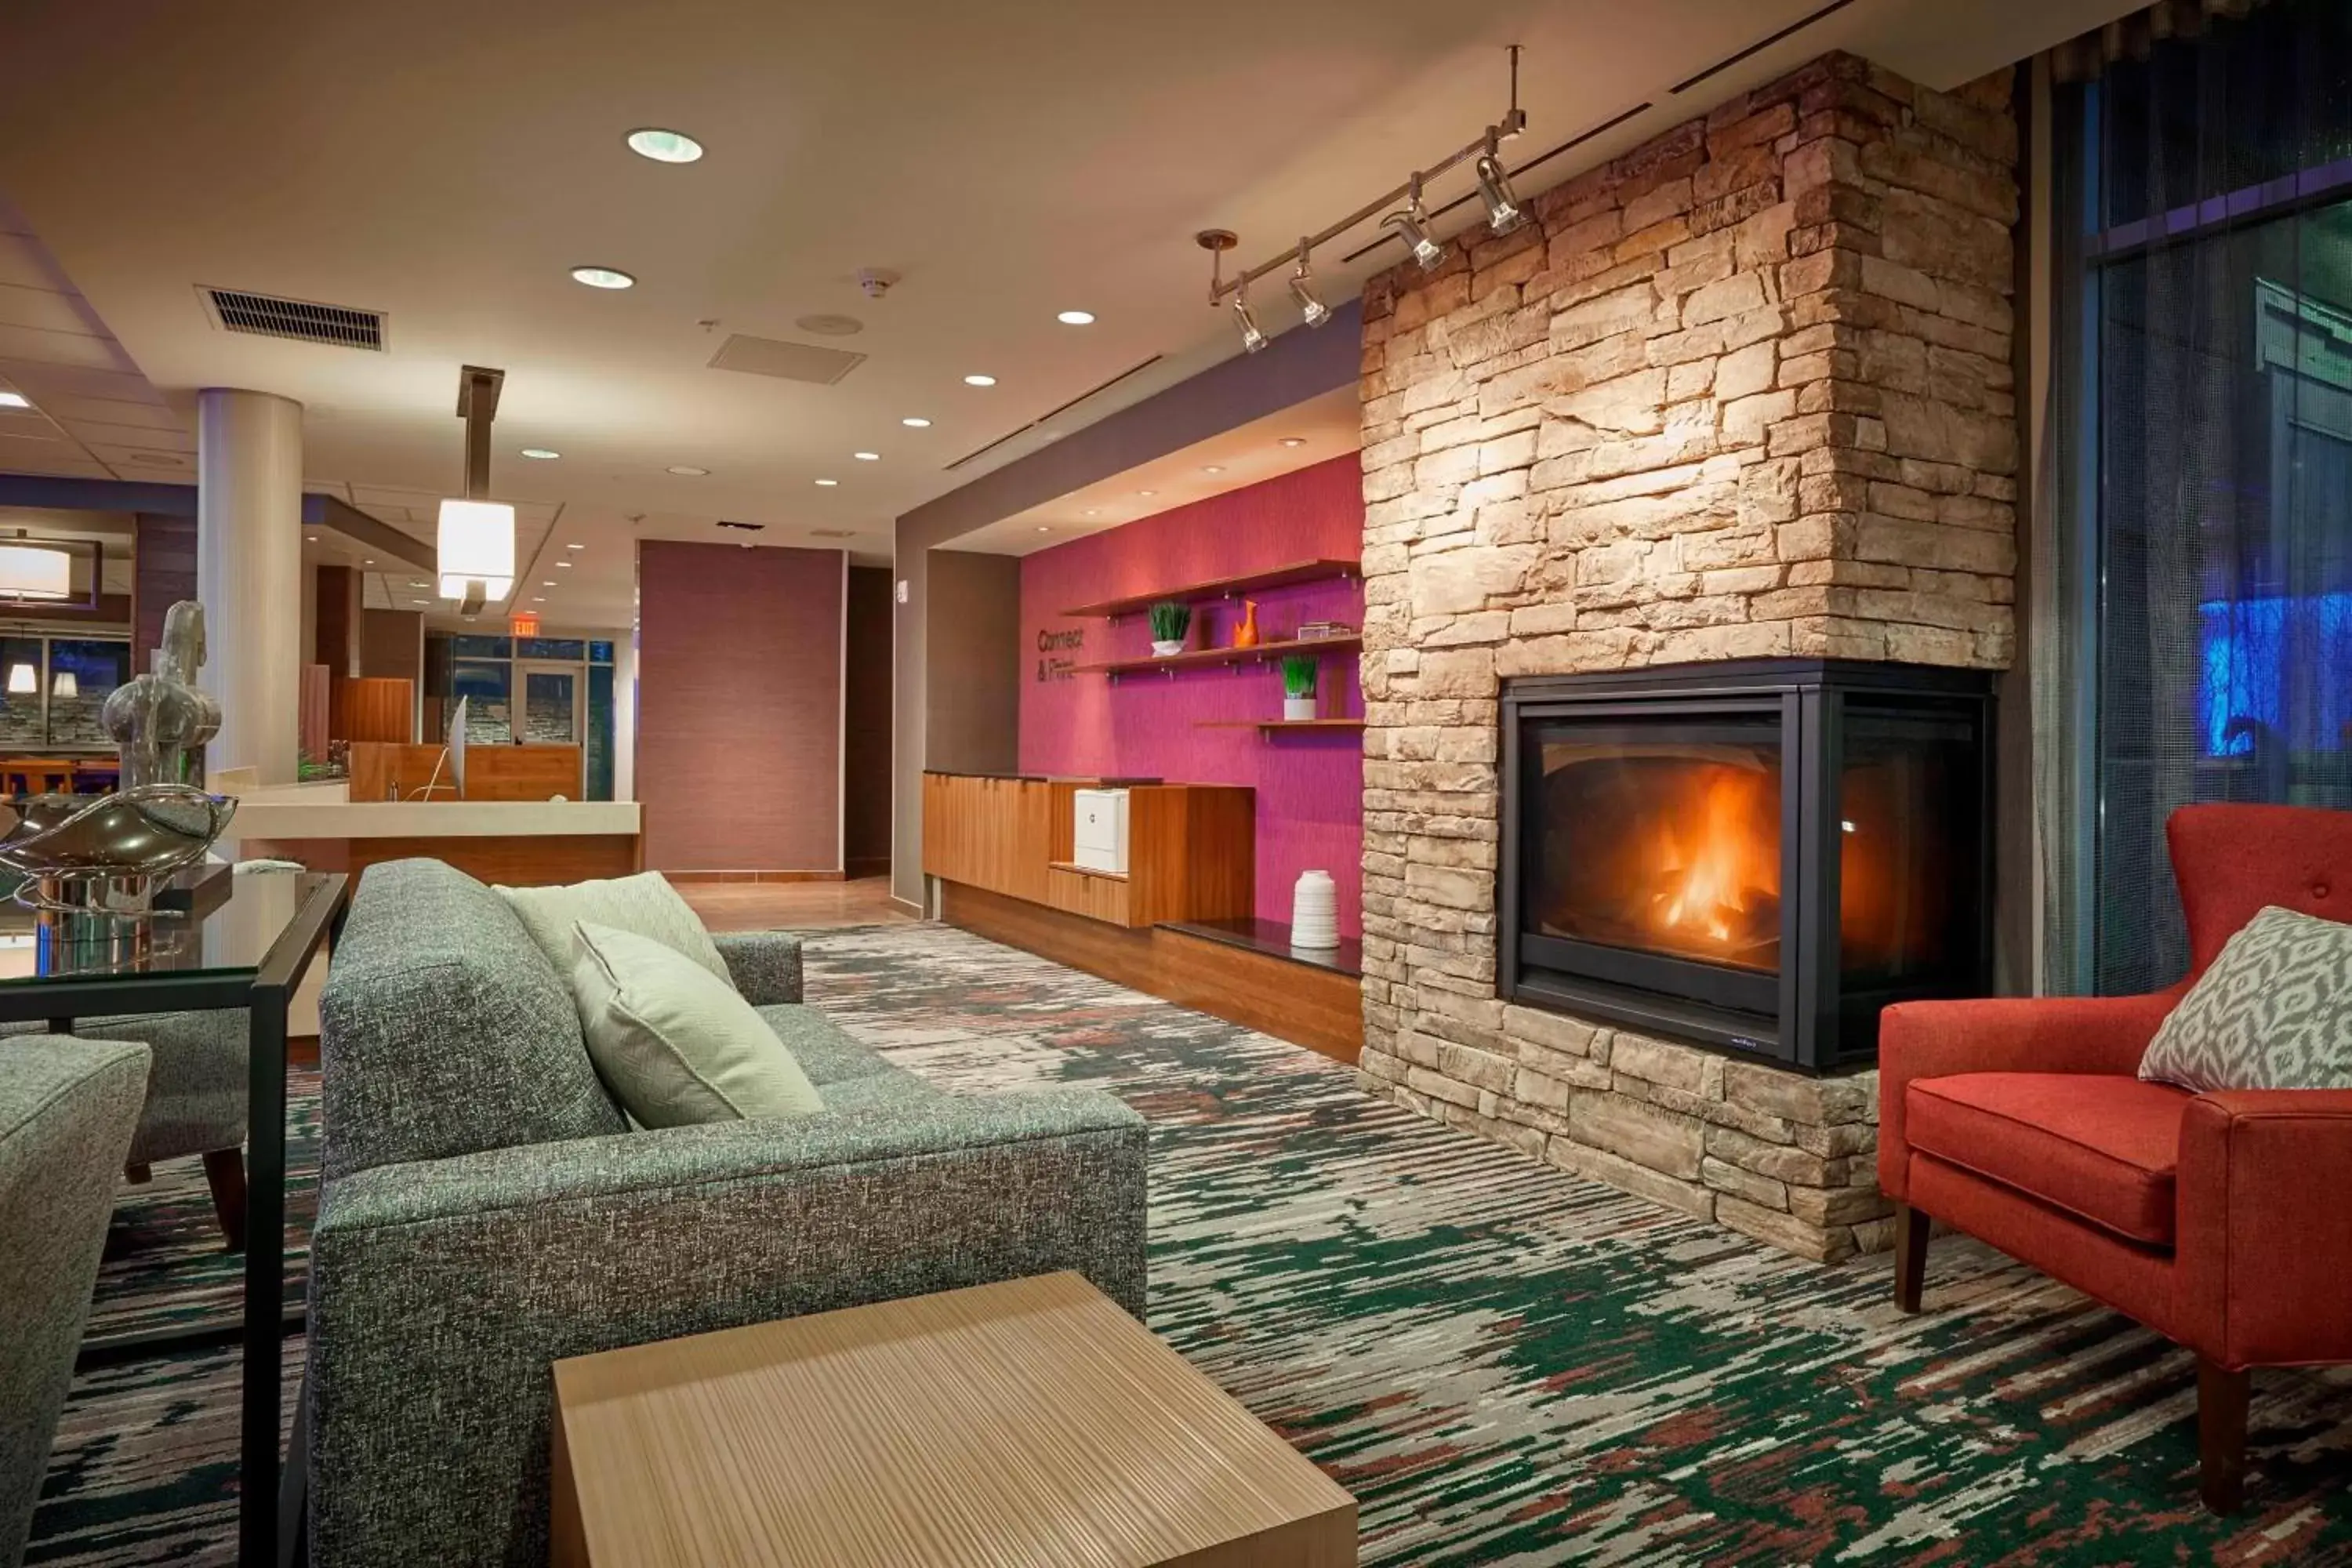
765,906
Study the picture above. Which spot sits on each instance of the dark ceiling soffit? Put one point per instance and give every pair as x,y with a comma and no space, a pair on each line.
360,528
50,492
1299,364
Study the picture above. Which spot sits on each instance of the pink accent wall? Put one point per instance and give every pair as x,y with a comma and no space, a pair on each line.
738,706
1189,726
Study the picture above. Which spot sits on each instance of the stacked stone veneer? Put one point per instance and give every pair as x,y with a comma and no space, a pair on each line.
1744,392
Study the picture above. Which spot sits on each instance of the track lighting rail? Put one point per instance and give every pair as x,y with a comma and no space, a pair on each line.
1514,122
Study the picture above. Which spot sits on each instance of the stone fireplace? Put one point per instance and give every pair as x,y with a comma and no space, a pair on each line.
1743,394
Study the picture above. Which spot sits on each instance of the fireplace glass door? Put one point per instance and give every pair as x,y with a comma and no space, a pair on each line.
1663,836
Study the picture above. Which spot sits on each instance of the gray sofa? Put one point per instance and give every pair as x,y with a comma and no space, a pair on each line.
486,1211
67,1110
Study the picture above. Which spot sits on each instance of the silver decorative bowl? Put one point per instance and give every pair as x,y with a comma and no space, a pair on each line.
108,853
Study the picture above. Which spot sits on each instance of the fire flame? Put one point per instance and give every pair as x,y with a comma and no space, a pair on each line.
1718,863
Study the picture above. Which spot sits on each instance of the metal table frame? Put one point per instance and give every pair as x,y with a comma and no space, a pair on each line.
264,1540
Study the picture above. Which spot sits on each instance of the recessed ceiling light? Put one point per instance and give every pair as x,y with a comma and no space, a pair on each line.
549,583
14,400
603,278
867,456
916,421
563,564
1077,318
367,561
310,538
1147,492
420,604
1293,440
980,381
575,547
539,454
1044,528
1092,511
665,146
1211,469
829,483
535,598
830,326
688,471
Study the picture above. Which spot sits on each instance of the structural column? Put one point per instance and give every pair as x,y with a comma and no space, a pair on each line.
249,575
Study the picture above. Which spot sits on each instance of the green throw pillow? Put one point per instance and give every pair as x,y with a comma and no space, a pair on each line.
644,905
679,1046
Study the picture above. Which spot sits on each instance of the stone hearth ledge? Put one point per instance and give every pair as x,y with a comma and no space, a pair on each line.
1744,390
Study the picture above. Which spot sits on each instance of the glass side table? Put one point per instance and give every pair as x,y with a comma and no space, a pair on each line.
248,949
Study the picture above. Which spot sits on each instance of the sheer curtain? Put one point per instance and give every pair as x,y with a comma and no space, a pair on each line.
2195,619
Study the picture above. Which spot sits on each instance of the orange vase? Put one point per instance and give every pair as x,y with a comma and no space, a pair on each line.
1245,635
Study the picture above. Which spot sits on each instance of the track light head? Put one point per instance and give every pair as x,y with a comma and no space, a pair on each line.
1311,307
1504,213
1408,225
1253,338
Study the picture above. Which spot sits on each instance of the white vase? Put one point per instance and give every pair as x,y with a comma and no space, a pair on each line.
1296,708
1163,649
1315,912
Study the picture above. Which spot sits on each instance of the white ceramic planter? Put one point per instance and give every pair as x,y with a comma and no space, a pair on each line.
1163,649
1294,708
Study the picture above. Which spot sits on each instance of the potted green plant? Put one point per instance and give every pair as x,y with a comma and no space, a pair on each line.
1298,674
1170,622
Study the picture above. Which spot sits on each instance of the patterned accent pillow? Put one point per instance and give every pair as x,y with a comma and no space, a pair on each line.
2274,1011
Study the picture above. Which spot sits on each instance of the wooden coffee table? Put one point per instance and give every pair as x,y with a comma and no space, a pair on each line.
1031,1422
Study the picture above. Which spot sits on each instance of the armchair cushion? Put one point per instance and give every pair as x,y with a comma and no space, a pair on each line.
2105,1148
2273,1011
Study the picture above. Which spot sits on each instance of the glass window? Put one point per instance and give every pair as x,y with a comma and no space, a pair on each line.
2202,561
489,689
570,648
600,652
82,672
599,759
468,646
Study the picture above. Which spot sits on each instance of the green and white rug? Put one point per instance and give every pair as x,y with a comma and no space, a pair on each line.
1504,1364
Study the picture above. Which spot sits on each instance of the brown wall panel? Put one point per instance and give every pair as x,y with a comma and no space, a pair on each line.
392,645
865,727
972,702
162,572
739,707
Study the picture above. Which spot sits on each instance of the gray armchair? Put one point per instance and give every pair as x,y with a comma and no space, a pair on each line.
67,1110
485,1213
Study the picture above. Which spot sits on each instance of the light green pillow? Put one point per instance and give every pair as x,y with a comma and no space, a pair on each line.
678,1046
645,905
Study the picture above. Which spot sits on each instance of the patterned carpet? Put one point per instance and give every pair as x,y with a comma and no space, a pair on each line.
1505,1364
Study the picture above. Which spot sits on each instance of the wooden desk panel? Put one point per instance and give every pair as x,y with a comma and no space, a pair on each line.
518,860
524,773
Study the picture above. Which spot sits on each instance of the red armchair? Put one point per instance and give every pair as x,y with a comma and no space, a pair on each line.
2218,1220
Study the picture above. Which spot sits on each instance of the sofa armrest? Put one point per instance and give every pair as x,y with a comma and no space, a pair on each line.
2266,1241
765,964
442,1292
2001,1033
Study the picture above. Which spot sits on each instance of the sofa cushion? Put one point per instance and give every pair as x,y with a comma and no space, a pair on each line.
644,905
675,1042
2104,1148
2273,1011
825,1053
442,1031
888,1091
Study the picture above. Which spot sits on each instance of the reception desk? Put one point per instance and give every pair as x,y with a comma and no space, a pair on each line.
519,843
997,854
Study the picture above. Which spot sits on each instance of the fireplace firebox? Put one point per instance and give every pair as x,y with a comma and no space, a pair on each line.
1757,855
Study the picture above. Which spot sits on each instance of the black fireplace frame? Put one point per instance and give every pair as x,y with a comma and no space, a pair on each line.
1803,1017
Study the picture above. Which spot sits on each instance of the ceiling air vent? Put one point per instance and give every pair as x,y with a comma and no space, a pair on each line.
304,321
746,527
785,362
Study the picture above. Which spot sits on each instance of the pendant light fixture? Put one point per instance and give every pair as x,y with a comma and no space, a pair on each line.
65,683
475,540
1311,307
36,572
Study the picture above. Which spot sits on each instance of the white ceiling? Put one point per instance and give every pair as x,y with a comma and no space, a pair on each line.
447,162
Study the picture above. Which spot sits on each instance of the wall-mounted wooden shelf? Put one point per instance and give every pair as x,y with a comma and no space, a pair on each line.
1200,658
1220,588
1273,724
